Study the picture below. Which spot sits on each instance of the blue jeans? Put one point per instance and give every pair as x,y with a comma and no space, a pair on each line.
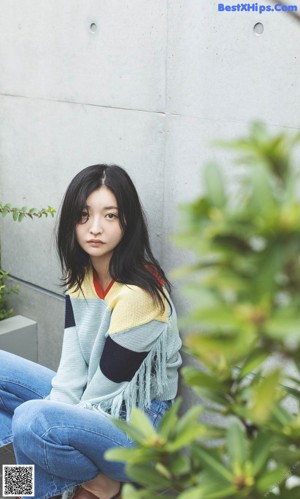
66,443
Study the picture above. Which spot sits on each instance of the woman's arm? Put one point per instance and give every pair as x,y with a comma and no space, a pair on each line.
70,380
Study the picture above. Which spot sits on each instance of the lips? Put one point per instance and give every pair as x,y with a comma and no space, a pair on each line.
95,243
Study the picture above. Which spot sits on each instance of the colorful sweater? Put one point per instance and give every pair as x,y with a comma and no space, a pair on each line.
119,349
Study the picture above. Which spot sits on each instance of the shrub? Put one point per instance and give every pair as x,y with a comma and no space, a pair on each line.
18,214
243,333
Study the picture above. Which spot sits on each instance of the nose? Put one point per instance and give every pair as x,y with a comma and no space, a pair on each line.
96,227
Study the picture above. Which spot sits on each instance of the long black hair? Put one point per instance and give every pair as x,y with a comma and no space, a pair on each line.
132,261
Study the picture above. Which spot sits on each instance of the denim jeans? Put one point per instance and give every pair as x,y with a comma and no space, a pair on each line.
66,443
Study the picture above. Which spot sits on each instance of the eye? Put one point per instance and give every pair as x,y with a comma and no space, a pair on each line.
83,217
111,216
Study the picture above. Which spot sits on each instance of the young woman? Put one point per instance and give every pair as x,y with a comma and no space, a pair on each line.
120,347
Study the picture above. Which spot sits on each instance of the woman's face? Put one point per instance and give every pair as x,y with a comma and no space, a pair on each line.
99,230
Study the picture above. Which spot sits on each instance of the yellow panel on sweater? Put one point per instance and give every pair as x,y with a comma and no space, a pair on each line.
132,306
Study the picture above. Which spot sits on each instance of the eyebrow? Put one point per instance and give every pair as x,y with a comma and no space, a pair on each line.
105,207
110,208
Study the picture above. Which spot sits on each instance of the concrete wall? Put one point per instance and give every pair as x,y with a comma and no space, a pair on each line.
147,84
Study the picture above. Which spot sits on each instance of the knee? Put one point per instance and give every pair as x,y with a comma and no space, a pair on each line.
29,421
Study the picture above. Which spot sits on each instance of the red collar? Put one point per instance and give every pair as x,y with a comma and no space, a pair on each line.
100,292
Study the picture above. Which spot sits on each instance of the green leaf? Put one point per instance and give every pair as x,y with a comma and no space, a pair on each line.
211,460
142,423
215,185
261,199
271,479
204,385
195,377
52,211
220,316
281,416
169,419
132,455
268,264
187,429
163,470
261,450
255,359
264,396
237,444
129,492
21,217
293,379
294,392
147,476
190,418
186,437
193,493
212,488
131,431
140,429
179,464
293,493
283,325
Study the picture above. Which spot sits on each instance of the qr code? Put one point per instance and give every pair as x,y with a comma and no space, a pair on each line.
18,480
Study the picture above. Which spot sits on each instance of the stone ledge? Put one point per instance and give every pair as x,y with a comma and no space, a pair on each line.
18,335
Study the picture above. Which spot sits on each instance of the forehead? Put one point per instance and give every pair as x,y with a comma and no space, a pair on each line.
102,198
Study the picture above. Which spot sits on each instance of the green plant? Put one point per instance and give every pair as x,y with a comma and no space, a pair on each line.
245,289
5,290
18,214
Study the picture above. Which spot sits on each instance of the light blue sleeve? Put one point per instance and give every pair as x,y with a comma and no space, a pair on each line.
71,378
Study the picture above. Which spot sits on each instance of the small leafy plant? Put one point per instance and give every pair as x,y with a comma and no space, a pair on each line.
5,290
18,214
243,334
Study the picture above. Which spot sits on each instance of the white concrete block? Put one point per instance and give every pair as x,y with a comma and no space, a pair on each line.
220,69
88,51
48,311
18,335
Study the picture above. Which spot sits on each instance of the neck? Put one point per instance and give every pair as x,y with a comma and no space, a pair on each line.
102,271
